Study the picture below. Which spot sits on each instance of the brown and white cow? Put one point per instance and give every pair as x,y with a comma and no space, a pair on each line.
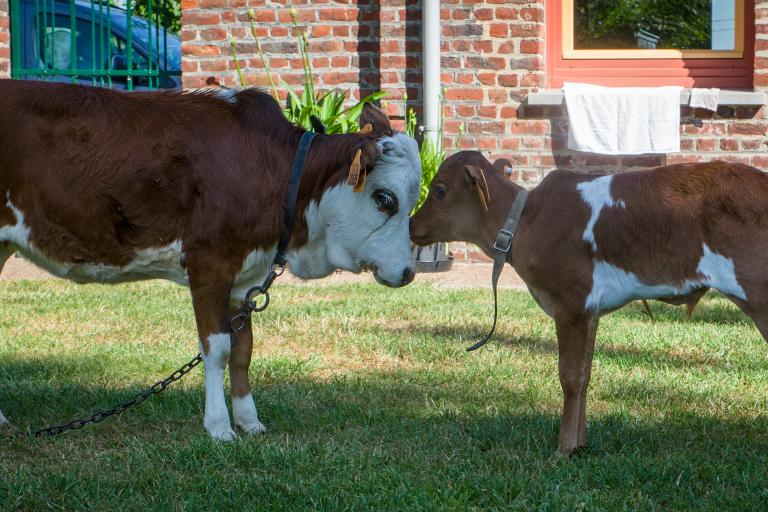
587,244
105,186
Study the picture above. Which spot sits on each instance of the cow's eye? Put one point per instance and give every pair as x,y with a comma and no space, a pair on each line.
385,200
439,191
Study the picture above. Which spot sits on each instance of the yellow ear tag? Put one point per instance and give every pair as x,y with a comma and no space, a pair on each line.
360,182
355,173
366,129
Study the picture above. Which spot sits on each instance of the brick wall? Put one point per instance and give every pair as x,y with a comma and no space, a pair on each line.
493,56
5,41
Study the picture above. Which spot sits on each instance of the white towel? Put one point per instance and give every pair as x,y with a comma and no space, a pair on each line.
623,120
705,98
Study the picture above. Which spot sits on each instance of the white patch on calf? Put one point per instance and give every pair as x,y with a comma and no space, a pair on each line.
613,287
246,417
346,228
597,194
216,415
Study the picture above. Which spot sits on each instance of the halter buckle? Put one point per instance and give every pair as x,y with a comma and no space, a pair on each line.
503,240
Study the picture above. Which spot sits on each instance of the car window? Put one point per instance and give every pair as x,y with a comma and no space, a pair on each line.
55,44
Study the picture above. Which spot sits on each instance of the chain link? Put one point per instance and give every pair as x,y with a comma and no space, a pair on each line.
237,324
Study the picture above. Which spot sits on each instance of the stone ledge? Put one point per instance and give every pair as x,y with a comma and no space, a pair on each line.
554,98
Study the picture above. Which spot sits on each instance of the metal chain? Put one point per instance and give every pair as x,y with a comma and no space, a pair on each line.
157,387
237,324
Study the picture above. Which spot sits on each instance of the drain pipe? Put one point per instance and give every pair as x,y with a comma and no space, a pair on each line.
430,23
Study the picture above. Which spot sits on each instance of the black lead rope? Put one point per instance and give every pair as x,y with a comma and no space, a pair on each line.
502,246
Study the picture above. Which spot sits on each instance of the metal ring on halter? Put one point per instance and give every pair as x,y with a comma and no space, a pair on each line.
242,318
252,297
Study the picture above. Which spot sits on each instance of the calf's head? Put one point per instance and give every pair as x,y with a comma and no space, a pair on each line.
459,201
361,221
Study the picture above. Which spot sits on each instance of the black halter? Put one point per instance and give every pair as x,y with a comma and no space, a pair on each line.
503,246
292,195
277,268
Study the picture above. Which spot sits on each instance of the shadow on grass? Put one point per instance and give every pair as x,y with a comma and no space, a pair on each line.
376,400
404,433
541,345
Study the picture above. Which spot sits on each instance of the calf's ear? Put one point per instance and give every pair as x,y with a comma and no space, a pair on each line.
378,121
476,179
503,165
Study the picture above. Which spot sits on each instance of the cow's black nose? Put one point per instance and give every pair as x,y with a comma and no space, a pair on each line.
408,276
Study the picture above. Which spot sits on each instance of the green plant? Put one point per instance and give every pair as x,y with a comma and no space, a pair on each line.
432,154
328,107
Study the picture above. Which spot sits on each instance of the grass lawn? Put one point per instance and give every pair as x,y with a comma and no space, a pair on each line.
372,404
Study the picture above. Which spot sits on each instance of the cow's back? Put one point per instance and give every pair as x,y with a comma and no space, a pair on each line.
97,174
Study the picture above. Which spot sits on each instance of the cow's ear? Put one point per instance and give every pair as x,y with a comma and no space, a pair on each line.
377,119
362,163
503,165
476,179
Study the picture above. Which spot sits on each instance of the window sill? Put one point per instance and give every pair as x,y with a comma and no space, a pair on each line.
554,98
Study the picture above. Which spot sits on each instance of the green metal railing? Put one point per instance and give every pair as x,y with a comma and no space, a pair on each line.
77,41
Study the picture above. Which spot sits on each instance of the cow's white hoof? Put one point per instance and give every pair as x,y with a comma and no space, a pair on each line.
254,428
224,433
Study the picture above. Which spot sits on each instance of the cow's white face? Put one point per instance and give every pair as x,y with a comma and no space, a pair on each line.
367,229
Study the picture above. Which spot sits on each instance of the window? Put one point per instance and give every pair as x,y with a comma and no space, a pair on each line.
703,43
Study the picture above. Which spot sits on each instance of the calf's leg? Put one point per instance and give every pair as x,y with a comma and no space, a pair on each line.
6,251
210,288
582,439
243,406
573,341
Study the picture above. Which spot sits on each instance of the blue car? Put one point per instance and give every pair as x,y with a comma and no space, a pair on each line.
44,49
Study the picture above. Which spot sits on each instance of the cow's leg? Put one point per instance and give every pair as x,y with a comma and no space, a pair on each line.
6,251
243,406
573,347
582,441
210,288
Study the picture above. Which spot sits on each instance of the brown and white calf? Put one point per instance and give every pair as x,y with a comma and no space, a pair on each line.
104,186
587,244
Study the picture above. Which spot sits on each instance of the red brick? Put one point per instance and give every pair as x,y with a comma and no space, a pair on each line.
532,14
499,30
508,80
508,112
199,18
487,78
525,30
729,145
335,78
506,13
706,144
485,14
264,15
200,50
212,4
464,94
746,129
321,30
214,65
532,127
213,34
531,46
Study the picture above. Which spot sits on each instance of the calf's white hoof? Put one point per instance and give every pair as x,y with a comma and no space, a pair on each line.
253,429
223,433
